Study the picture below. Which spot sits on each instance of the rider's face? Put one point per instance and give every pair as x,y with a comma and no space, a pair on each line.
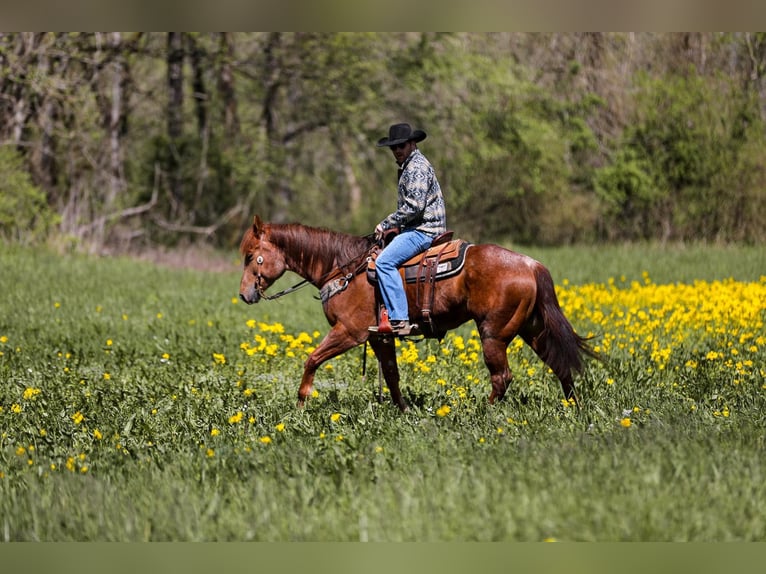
402,151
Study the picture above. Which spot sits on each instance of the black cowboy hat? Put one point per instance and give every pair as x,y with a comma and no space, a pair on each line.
400,133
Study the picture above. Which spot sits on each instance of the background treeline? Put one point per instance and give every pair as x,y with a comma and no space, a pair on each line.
123,140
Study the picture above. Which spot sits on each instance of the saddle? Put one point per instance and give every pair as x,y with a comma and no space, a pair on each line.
444,259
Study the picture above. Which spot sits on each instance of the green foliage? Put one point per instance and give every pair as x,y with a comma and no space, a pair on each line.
25,215
536,138
678,171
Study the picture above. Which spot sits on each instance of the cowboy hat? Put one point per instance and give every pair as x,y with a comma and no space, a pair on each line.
400,133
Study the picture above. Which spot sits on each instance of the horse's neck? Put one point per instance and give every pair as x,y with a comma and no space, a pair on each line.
309,252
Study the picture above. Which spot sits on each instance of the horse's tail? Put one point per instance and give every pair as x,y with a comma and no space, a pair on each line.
558,345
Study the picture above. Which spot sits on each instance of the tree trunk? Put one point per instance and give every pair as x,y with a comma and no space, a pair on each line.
175,78
226,87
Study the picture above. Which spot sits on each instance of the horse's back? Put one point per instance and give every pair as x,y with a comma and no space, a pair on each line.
497,263
498,278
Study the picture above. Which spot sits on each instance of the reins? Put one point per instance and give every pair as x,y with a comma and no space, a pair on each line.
283,292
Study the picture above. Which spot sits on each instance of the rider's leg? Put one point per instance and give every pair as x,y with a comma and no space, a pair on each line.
402,248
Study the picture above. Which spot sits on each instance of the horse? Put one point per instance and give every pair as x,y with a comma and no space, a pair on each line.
505,293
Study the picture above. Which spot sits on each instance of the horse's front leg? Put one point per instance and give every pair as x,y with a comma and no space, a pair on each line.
385,351
335,343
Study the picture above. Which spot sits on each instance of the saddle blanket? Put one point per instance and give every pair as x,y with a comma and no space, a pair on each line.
451,259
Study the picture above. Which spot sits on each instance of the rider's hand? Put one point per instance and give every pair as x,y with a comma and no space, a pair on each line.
378,232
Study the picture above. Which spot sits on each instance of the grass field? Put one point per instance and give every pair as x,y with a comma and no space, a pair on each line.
139,402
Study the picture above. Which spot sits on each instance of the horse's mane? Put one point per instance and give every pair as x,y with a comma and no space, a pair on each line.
313,248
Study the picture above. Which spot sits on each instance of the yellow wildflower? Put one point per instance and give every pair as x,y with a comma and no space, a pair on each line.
30,393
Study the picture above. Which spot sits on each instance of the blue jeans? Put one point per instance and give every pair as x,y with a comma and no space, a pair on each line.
403,247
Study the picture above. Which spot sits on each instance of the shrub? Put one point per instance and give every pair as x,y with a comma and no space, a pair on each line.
24,212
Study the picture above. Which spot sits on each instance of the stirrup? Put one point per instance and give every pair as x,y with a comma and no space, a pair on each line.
399,331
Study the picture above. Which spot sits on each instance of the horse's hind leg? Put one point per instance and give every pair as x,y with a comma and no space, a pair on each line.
496,359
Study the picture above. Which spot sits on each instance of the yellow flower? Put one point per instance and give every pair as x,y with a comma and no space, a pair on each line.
16,408
280,427
215,432
77,417
210,453
265,439
30,393
97,434
335,417
443,410
625,422
107,376
234,419
3,339
219,358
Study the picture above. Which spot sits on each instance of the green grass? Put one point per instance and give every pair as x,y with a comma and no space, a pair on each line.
172,460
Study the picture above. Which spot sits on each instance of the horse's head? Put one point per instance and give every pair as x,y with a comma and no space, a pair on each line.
264,263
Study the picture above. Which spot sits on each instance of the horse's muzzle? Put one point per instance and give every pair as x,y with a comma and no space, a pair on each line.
254,297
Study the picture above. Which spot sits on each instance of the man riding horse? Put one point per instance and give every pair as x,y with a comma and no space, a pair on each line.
420,216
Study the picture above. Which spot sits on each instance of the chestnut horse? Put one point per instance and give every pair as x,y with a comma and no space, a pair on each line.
505,293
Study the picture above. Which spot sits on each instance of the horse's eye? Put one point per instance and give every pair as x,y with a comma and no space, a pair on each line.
259,260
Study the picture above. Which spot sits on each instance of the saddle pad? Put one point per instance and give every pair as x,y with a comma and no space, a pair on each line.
451,261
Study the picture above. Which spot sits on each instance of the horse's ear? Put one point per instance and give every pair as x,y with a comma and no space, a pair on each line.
257,226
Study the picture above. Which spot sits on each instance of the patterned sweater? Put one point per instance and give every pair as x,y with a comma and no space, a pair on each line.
420,203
